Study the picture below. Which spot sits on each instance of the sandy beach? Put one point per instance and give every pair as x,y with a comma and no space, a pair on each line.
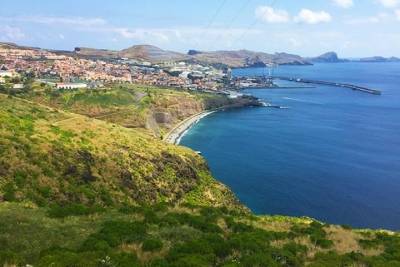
174,136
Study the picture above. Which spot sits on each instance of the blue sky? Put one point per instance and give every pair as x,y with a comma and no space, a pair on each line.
353,28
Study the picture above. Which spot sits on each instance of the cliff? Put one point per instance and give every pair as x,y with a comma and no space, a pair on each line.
329,57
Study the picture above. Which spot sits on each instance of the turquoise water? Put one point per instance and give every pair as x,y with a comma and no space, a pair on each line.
333,155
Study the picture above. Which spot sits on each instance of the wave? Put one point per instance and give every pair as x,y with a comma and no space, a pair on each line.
303,101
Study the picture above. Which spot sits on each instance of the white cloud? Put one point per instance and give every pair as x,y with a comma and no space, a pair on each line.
61,36
143,34
51,20
344,3
10,34
389,3
271,15
312,17
368,20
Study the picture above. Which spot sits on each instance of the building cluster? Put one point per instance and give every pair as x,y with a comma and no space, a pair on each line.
69,72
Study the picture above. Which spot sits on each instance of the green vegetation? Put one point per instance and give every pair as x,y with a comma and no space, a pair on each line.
48,156
133,106
170,235
78,191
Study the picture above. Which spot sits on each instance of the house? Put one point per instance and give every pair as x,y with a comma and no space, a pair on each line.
18,86
71,85
6,73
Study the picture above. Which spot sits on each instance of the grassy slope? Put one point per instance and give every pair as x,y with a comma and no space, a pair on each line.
53,156
70,187
132,106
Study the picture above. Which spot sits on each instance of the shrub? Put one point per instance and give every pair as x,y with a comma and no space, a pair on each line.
124,260
9,192
152,245
316,233
115,233
57,211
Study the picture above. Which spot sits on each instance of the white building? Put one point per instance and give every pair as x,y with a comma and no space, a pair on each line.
71,85
6,73
18,86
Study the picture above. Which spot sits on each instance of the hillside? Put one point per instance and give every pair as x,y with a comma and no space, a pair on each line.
81,191
92,52
246,58
151,53
380,59
332,57
149,108
239,58
329,57
49,156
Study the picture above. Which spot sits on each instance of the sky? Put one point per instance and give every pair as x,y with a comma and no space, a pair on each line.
352,28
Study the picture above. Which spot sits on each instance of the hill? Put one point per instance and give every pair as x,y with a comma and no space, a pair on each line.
329,57
81,191
332,57
151,53
246,58
96,53
155,110
49,156
239,58
380,59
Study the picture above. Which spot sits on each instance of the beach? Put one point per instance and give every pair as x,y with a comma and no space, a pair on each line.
174,136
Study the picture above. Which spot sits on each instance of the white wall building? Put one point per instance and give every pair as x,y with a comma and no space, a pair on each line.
6,73
71,85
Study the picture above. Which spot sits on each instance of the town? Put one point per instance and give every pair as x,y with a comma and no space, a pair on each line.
20,66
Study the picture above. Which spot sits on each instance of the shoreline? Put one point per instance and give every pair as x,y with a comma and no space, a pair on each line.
175,135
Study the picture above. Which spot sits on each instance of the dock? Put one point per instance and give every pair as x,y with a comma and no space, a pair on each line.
266,82
335,84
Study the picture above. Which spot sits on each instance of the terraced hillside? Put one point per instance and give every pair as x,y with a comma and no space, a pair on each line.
79,191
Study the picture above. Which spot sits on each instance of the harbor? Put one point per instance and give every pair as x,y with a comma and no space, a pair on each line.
335,84
267,82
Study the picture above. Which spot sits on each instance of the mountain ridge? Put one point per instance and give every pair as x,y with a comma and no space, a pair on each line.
241,58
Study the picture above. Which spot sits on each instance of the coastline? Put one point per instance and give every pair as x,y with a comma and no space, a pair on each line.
175,135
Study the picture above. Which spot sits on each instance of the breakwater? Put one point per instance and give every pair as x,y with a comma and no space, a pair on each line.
335,84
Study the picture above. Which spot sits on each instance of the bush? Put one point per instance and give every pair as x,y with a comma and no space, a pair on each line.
65,257
57,211
316,233
197,222
152,245
9,192
115,233
124,260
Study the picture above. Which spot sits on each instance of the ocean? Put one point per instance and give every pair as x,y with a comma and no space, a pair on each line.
333,155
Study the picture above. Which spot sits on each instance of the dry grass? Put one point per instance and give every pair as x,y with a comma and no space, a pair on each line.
346,241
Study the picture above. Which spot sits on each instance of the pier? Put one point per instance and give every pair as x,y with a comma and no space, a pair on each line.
267,82
336,84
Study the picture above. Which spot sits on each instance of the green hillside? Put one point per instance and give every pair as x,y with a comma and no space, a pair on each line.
49,156
81,191
133,106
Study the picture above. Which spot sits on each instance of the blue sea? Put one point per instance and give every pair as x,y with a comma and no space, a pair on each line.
334,155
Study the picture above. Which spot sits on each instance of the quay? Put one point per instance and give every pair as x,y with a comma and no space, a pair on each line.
344,85
268,82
